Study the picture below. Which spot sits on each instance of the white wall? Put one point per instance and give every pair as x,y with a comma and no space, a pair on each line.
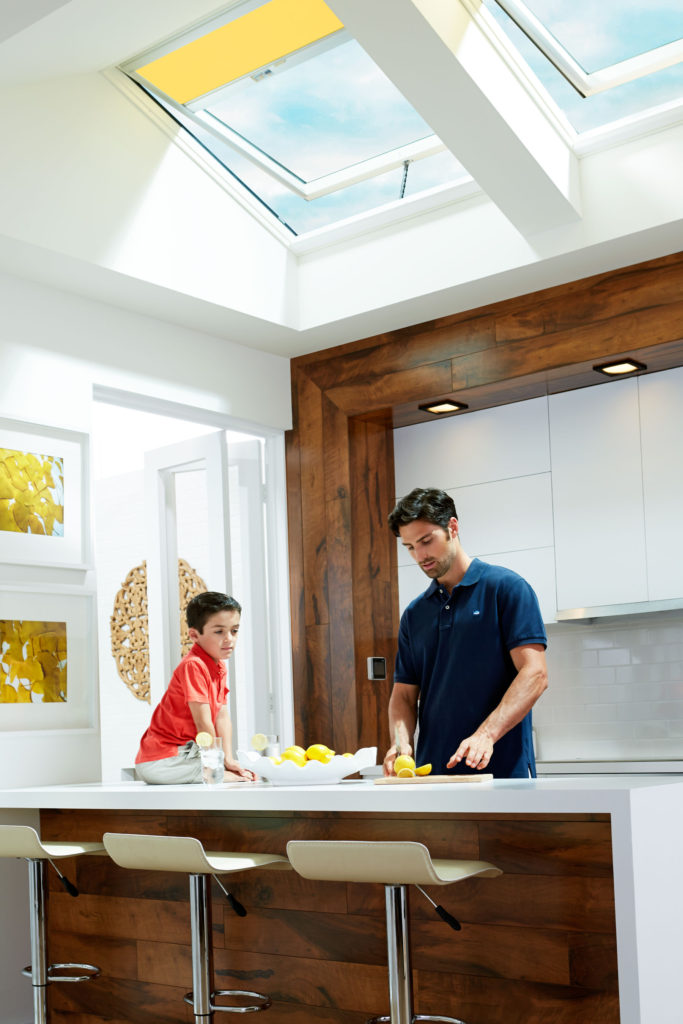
54,347
87,174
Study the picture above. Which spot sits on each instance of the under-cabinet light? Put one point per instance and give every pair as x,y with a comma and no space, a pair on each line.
620,367
438,408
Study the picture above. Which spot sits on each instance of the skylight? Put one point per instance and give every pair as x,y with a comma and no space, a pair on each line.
296,110
600,62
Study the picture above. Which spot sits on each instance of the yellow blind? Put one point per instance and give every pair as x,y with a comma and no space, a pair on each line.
258,38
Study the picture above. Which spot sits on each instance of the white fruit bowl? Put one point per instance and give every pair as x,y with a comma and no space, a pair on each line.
313,773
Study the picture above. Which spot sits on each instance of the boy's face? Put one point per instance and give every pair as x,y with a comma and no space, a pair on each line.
219,636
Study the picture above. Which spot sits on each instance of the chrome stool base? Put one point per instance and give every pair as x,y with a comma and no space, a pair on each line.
92,972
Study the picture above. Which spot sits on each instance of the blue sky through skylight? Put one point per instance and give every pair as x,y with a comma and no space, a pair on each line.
595,34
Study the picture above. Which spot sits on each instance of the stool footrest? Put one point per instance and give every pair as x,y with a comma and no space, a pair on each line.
92,972
417,1017
263,1001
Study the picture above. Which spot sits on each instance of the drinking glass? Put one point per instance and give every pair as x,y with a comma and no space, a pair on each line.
212,763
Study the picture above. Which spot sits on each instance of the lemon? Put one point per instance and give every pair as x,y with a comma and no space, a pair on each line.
405,773
275,760
292,754
259,741
298,750
319,752
424,769
347,754
404,761
204,739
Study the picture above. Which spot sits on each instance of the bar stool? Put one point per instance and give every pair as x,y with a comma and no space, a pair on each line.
22,841
395,865
186,854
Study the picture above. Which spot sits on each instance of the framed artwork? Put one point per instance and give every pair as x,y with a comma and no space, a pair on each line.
43,496
48,677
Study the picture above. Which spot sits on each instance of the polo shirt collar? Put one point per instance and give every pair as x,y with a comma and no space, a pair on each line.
475,571
216,668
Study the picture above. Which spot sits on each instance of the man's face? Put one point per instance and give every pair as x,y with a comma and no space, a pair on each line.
433,547
219,636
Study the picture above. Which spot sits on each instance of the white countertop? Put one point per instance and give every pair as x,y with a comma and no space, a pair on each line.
583,794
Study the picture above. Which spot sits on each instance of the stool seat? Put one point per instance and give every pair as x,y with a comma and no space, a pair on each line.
23,842
387,863
183,853
395,865
187,854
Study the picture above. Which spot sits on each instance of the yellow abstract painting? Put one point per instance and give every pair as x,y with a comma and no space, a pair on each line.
31,493
32,662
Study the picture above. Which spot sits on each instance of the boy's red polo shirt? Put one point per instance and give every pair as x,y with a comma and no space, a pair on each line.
197,678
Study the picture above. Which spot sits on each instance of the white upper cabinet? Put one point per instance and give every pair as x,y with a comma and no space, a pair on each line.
600,556
661,415
493,444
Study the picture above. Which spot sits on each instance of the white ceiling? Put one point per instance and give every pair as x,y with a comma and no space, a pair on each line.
545,215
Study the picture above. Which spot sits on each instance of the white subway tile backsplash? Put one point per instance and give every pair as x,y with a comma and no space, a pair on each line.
615,690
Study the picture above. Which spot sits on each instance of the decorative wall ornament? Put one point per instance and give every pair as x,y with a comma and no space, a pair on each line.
130,627
129,633
43,495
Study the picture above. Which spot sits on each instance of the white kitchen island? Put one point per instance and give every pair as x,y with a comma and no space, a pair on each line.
645,821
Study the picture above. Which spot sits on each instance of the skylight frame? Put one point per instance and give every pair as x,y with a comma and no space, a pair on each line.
308,190
590,83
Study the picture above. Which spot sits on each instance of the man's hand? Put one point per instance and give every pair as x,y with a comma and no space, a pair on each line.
234,772
476,751
391,755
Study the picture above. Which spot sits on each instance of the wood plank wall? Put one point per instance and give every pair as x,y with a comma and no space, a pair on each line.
537,945
340,470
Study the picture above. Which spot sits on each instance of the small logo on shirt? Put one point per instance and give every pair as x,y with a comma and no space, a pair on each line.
475,613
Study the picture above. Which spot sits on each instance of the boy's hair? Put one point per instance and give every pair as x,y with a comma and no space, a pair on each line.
203,606
426,503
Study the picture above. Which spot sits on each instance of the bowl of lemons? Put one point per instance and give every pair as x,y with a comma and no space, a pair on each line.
315,765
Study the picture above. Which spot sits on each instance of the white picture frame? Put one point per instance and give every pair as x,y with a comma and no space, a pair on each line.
77,610
72,549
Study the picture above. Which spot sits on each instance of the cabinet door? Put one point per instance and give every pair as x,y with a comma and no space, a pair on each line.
598,496
661,414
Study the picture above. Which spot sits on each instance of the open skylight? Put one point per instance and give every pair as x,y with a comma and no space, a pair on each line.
297,111
600,62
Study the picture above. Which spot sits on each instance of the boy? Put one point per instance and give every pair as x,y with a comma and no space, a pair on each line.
196,699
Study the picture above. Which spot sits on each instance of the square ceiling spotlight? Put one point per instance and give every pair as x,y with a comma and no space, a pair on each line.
440,408
620,367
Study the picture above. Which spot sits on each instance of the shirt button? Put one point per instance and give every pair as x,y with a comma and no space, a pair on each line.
447,607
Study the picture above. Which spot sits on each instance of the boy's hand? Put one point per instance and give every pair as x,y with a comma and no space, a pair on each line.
236,772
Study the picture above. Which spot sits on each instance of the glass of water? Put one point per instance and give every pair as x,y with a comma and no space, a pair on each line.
212,763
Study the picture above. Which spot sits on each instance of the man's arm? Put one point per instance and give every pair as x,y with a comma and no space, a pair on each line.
523,692
402,722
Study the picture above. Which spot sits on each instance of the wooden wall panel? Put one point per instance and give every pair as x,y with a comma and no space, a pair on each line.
526,346
540,938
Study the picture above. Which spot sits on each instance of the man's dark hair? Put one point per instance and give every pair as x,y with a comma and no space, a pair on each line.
426,503
203,606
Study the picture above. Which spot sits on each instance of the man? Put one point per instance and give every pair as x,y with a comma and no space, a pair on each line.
471,652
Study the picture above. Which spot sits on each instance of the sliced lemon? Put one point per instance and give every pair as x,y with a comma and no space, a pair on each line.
259,741
295,756
424,769
404,761
405,773
204,739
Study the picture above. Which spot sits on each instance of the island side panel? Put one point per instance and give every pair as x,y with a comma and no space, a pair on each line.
537,944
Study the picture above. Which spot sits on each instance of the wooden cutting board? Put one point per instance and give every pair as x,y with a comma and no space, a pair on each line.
391,780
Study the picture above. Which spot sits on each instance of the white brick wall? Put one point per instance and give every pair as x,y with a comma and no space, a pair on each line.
616,690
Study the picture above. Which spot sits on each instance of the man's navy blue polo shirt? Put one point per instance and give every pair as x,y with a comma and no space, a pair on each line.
455,647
